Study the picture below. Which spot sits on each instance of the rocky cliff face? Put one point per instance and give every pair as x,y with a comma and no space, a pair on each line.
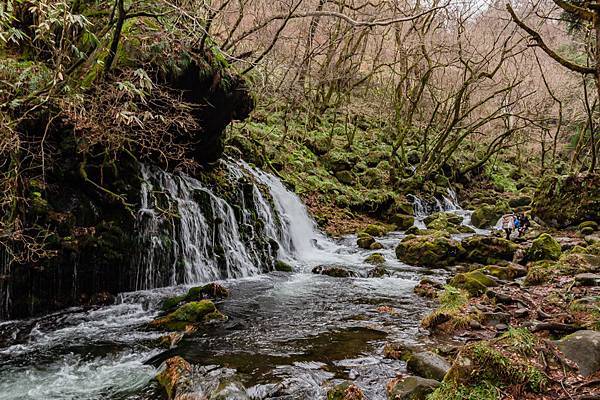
79,203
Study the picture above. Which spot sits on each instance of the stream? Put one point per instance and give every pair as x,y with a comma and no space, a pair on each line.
288,336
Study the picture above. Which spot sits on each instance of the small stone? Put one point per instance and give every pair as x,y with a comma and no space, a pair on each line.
501,327
521,313
474,324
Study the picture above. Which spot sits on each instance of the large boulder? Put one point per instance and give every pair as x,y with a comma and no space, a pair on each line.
545,247
410,388
486,216
435,250
567,200
402,221
583,348
488,249
428,365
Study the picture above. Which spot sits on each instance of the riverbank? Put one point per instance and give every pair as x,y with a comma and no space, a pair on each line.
520,323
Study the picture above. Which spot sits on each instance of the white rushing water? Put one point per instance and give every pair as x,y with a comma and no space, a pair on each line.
191,235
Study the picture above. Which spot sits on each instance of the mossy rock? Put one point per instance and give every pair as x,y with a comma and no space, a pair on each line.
539,273
507,272
588,230
187,314
282,266
375,246
375,230
399,351
487,249
568,200
487,215
365,242
545,247
520,201
375,259
588,224
450,218
402,222
465,229
377,272
474,282
345,391
411,388
497,363
429,251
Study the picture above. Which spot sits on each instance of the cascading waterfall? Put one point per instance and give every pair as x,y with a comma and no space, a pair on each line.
5,301
189,234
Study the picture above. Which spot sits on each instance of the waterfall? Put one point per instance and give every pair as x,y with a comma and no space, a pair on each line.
451,201
190,234
5,299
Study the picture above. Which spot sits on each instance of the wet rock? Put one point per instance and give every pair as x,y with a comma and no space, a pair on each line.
587,279
102,299
375,246
488,249
377,272
410,388
175,377
375,259
474,282
583,348
282,266
587,230
170,340
228,390
208,291
521,313
333,271
544,248
402,222
345,391
365,242
399,350
428,365
429,251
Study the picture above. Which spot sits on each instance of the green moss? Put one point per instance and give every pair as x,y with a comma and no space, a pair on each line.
520,339
474,282
544,248
451,311
449,391
282,266
539,273
193,312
